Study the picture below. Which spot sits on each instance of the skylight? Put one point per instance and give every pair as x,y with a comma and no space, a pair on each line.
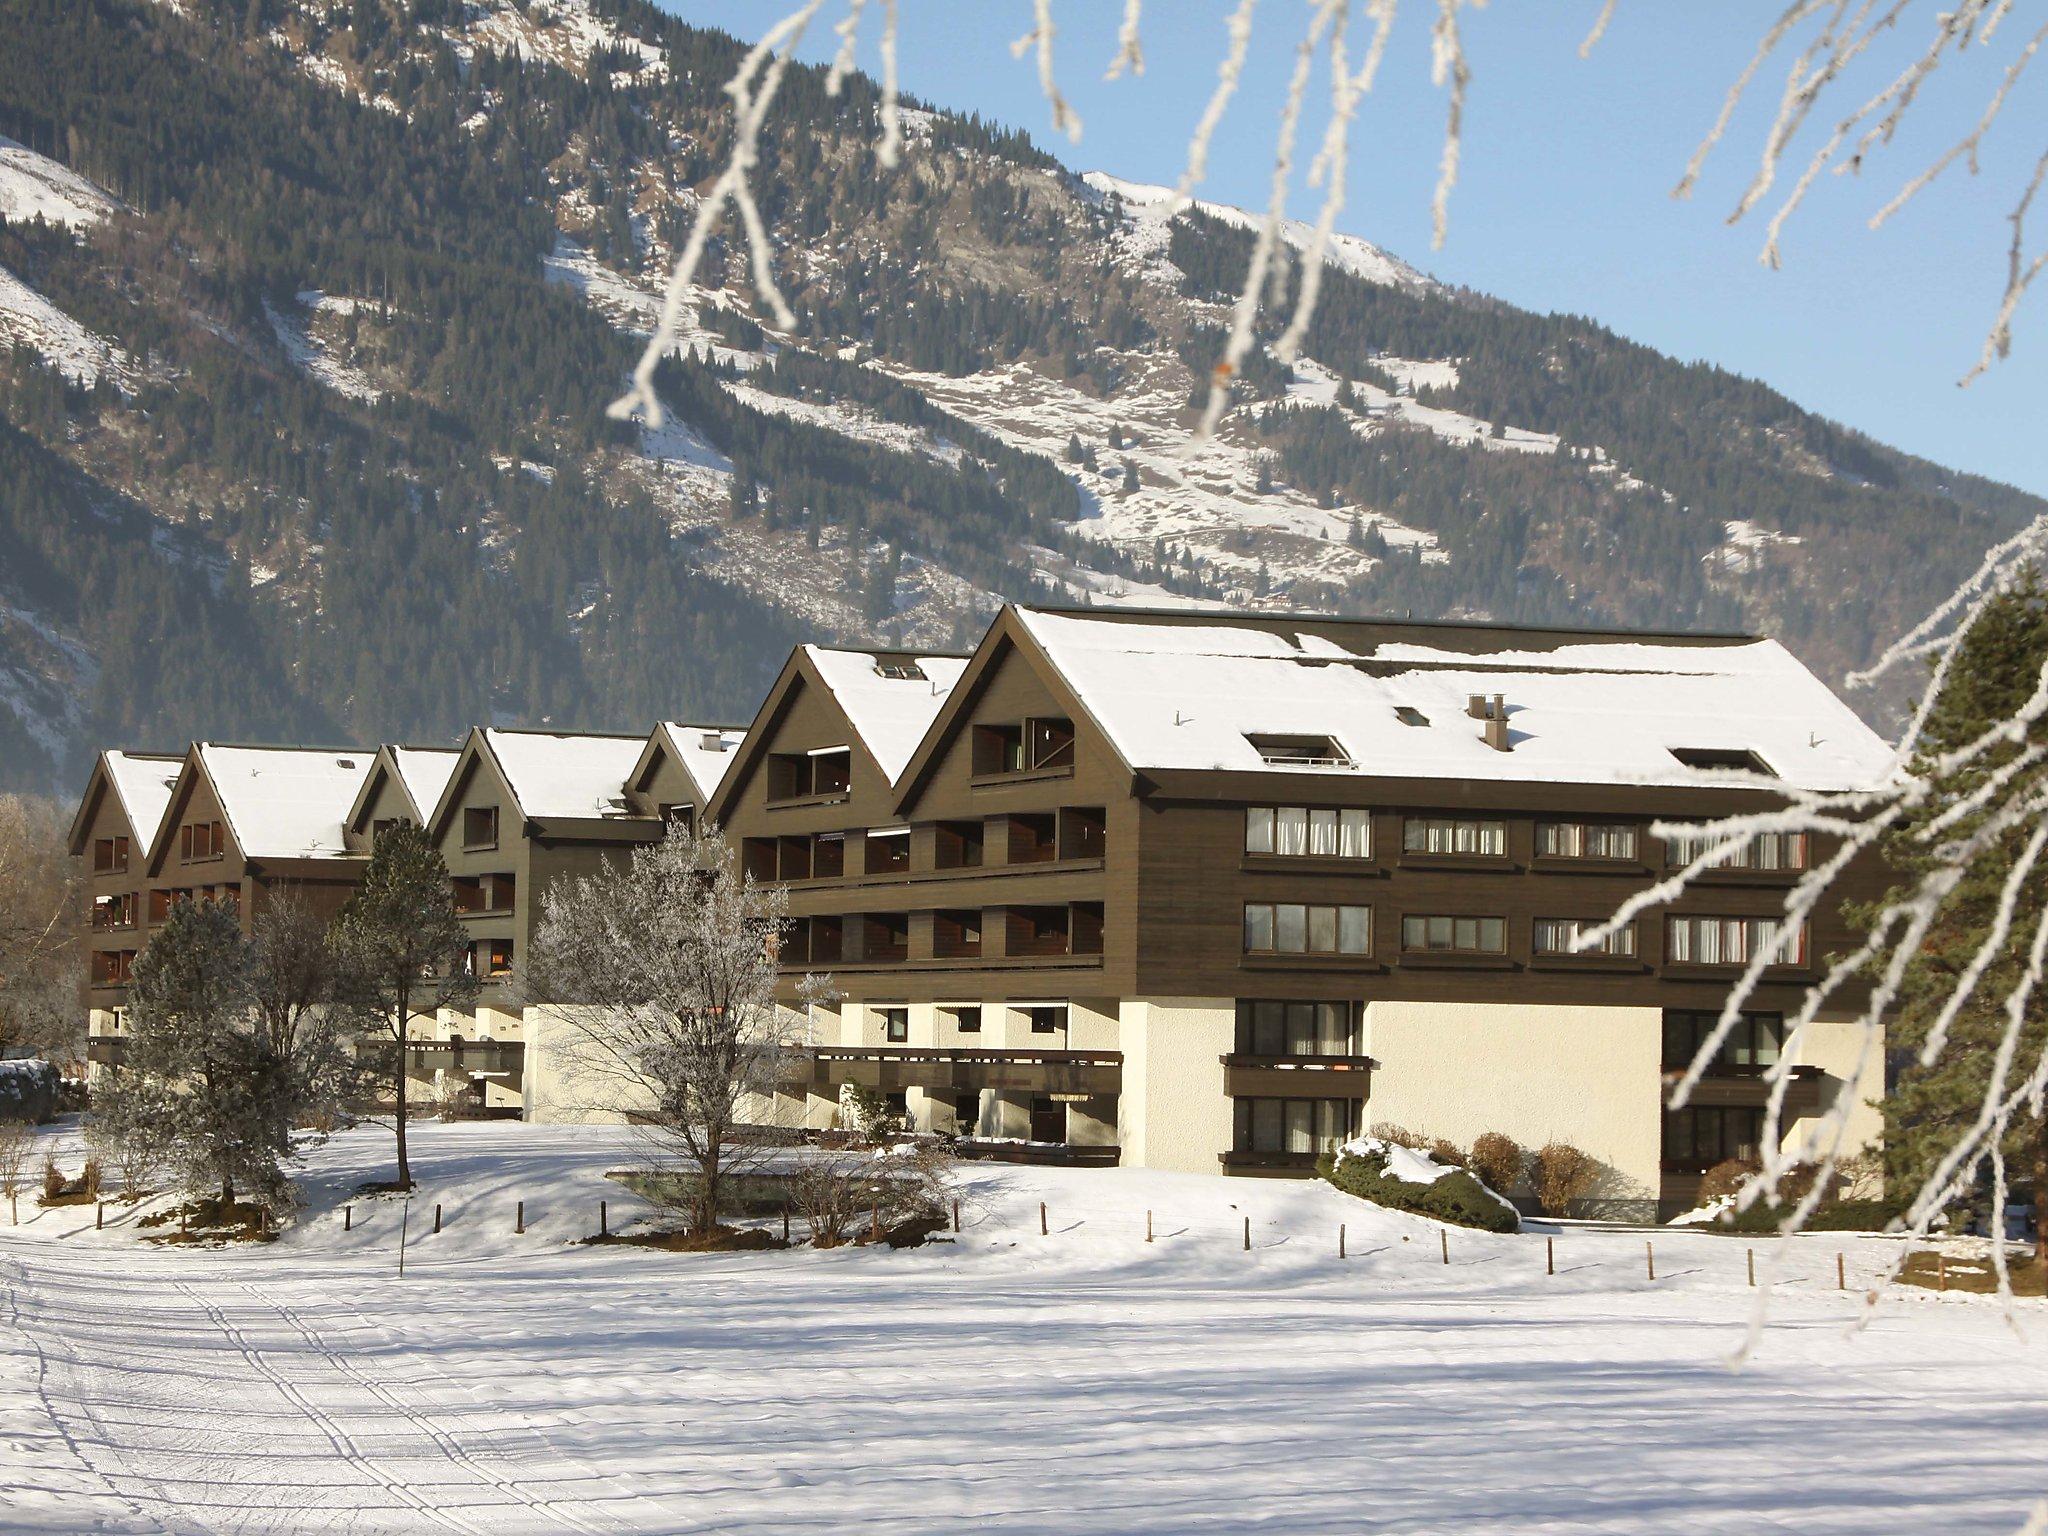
1724,758
1408,714
1299,751
900,670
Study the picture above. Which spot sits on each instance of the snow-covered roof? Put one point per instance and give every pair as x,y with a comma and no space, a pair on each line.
707,751
425,771
566,776
143,781
890,698
1604,709
287,802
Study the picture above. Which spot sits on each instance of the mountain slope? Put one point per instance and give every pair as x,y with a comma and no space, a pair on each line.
308,317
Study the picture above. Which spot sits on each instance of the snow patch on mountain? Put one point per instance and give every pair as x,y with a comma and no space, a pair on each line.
34,186
634,307
1749,544
46,680
848,421
1313,384
311,355
568,33
1145,211
28,319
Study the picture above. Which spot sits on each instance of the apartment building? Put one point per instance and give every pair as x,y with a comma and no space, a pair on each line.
232,824
1212,892
520,810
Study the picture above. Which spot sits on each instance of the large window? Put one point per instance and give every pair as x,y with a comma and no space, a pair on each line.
1305,1126
476,894
817,774
888,850
489,959
1295,928
1454,935
1443,834
1767,850
956,935
1699,1136
1308,831
1271,1028
1729,941
1753,1046
114,911
202,840
110,856
1586,840
480,826
1558,935
1029,746
895,1024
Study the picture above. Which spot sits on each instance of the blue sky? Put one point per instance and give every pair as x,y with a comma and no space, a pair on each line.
1564,199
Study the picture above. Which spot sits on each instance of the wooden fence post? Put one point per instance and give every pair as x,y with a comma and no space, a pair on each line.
604,1221
1043,1229
785,1223
348,1216
874,1220
1650,1258
1340,1240
1752,1266
1550,1255
1444,1237
437,1216
1941,1263
1247,1234
956,1216
1148,1226
99,1215
1841,1272
519,1219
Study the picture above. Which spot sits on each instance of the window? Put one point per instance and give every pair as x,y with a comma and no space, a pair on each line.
818,774
888,850
1408,714
956,935
202,840
1299,751
1301,1126
899,669
1454,935
1270,1028
1083,832
895,1022
957,845
1296,831
490,959
1046,1018
478,894
159,906
1041,745
1042,931
1441,834
1556,935
1290,928
1722,759
967,1111
813,941
480,826
385,824
1752,1047
110,856
1729,941
1585,840
967,1019
114,911
112,967
681,818
1766,850
1699,1136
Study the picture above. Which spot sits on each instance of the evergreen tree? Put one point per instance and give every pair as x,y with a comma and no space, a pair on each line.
1130,476
202,1086
1074,453
1928,1108
407,953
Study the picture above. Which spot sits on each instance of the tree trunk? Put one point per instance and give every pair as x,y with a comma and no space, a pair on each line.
398,1118
2041,1194
708,1176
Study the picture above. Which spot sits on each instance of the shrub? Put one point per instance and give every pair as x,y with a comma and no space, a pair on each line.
840,1193
1726,1178
1498,1161
1563,1175
29,1091
89,1180
1456,1197
1447,1153
1399,1136
53,1178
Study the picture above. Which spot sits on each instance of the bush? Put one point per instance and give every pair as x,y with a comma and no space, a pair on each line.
29,1091
1400,1136
53,1178
1447,1152
89,1180
840,1194
1456,1197
1726,1178
1498,1160
1563,1175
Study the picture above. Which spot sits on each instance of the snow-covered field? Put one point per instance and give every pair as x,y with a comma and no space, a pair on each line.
1078,1381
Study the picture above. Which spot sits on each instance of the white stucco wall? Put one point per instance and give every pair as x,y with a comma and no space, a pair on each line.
1838,1047
1588,1075
1172,1112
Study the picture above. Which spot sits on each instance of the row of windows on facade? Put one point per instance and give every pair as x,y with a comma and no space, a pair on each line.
893,1019
1694,1139
1295,831
1305,928
868,937
1073,832
122,909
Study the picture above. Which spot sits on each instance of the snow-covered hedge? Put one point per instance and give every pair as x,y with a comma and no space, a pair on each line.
28,1091
1409,1180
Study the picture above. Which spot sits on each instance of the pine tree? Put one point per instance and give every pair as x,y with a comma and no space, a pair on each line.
1074,452
1130,476
1927,1108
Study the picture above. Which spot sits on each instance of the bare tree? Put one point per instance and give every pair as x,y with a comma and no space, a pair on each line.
16,1142
39,893
663,970
406,954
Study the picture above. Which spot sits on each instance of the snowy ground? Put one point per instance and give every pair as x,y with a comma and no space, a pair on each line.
1079,1381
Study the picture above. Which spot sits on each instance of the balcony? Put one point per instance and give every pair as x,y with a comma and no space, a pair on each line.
1044,1154
107,1050
1268,1162
891,1070
1296,1077
504,1059
1737,1087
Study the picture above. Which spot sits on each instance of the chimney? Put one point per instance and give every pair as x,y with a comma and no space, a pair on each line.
1495,734
1475,705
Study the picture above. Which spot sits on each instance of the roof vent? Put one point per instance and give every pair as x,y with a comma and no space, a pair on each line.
613,805
345,762
713,742
901,669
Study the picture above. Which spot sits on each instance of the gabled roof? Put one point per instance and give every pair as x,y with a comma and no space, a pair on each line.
421,774
141,782
1188,691
563,776
705,752
278,802
889,699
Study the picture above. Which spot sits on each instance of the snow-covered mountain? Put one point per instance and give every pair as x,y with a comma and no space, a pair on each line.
314,311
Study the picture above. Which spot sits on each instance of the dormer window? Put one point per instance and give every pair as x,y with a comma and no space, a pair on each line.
480,826
1040,745
816,774
899,669
1299,751
1408,714
1722,759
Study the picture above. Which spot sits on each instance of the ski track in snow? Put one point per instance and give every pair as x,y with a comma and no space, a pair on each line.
1083,1381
